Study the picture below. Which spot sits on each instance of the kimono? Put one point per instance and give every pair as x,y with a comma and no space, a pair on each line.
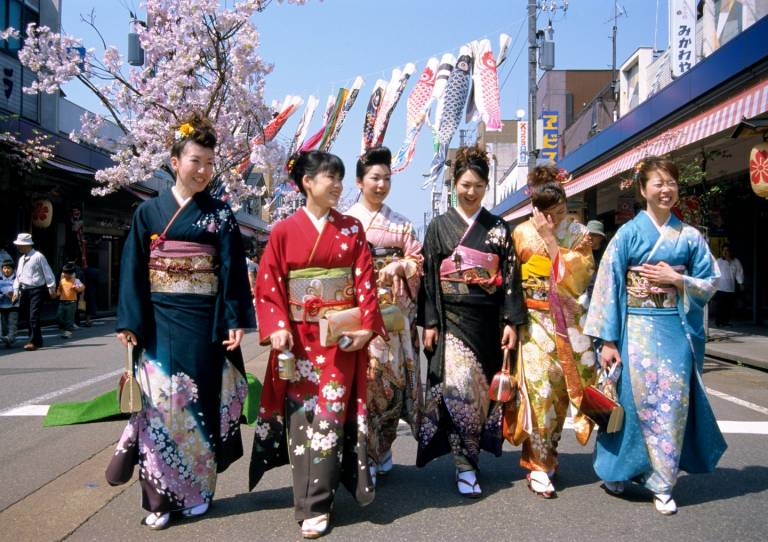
181,291
394,379
469,309
555,359
668,422
318,422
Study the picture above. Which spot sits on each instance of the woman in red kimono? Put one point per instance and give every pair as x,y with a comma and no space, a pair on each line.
316,261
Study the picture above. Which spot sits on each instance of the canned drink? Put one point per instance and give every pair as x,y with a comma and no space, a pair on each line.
286,365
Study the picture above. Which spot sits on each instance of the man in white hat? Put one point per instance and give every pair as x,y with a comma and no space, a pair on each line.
33,277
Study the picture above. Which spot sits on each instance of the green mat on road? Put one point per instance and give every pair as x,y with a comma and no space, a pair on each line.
106,408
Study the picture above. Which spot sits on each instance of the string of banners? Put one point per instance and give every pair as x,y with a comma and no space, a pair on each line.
454,88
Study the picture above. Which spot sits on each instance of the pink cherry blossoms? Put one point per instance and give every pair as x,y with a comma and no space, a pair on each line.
199,56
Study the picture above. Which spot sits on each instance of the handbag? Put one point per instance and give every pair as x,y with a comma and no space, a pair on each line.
336,323
503,385
128,391
393,317
599,404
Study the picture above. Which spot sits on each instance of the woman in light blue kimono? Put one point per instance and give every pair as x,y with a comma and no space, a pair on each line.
655,279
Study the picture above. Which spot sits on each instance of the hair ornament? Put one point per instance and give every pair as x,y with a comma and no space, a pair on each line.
184,131
563,177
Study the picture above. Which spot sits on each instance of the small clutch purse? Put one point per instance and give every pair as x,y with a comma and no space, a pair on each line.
599,404
333,324
503,385
128,391
393,317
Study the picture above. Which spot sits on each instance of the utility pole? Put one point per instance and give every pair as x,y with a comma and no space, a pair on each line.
532,47
614,76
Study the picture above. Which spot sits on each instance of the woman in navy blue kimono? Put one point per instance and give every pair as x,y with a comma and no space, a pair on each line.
654,281
184,301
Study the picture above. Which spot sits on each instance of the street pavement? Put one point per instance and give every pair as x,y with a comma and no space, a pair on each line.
54,489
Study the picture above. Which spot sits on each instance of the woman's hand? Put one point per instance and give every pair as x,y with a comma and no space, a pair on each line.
394,274
509,337
429,338
609,355
662,274
359,338
235,338
546,229
125,337
281,340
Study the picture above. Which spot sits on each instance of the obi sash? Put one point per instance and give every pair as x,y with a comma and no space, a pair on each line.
314,291
642,294
535,275
183,267
383,256
470,266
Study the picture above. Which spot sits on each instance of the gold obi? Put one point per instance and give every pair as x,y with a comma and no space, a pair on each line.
535,275
641,293
182,267
383,256
315,291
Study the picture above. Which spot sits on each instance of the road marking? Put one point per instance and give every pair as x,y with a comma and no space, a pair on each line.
748,428
52,395
28,410
737,401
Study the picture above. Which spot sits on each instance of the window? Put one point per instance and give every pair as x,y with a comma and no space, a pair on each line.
18,14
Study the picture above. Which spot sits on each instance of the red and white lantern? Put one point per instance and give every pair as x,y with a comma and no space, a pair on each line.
758,169
42,213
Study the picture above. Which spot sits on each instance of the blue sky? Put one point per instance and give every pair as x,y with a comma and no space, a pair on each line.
318,47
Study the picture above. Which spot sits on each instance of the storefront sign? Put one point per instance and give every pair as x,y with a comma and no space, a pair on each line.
758,169
522,142
550,137
682,35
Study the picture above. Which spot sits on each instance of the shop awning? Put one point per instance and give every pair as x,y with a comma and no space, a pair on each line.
69,167
749,103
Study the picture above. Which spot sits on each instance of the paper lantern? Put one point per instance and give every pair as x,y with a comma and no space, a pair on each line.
758,169
42,213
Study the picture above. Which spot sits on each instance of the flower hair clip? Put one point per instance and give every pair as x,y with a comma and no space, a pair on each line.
290,164
627,183
184,131
563,177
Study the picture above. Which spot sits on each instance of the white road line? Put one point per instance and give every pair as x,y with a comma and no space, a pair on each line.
52,395
29,410
748,428
737,401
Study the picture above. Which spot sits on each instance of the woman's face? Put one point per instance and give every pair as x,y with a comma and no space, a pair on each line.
660,191
324,189
375,185
470,190
557,213
194,167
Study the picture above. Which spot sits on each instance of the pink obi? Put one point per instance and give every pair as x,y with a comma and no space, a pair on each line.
183,267
470,266
643,294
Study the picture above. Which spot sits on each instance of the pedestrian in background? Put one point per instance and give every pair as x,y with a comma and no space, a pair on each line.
34,278
9,310
654,282
67,292
730,281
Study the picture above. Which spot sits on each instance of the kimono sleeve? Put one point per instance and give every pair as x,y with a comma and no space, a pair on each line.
605,318
272,286
514,311
698,282
234,287
365,287
575,266
133,298
428,296
413,261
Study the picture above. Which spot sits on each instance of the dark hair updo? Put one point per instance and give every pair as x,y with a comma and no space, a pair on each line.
195,127
377,156
312,163
545,187
471,159
648,164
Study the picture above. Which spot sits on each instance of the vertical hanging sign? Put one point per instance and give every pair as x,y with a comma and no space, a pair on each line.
682,35
550,134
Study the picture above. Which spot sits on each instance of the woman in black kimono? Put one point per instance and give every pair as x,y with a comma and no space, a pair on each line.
470,306
185,301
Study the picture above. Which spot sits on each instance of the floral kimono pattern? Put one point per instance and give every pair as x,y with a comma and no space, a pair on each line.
668,422
317,422
553,364
394,379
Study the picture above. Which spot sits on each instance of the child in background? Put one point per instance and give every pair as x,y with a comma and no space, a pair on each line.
9,311
69,287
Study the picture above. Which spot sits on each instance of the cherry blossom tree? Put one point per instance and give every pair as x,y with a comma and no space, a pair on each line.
199,56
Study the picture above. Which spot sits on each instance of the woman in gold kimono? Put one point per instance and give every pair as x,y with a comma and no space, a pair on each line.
555,358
